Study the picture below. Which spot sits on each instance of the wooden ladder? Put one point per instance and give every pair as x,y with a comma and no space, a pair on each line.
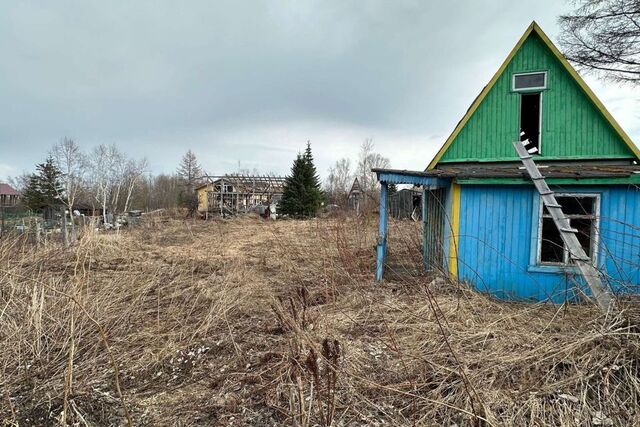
591,275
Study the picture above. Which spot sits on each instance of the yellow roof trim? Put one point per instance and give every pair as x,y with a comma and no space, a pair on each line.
599,105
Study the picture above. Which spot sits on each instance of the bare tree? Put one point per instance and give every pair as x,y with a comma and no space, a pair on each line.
603,36
119,171
189,170
369,159
156,192
339,180
163,191
71,162
132,175
104,163
20,182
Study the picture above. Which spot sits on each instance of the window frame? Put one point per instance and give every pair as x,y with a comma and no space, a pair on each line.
529,89
595,226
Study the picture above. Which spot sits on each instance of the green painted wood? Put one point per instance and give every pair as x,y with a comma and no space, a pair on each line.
572,127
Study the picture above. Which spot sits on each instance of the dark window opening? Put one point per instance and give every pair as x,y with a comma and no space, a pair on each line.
530,121
551,247
585,230
582,213
572,205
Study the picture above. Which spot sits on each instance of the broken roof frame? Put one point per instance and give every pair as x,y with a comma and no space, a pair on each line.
250,183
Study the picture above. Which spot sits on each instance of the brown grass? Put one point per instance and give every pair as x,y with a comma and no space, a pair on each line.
253,322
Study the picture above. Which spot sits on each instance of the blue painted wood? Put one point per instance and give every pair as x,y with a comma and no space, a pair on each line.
498,242
382,232
430,182
424,227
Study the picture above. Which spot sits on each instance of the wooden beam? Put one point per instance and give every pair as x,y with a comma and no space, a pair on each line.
454,231
382,231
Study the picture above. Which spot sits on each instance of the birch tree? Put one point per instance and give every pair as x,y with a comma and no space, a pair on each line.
103,164
339,180
71,163
369,159
134,172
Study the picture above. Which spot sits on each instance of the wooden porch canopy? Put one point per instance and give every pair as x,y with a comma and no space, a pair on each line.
427,180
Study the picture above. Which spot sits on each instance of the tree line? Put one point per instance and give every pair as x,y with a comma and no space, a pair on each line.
344,172
103,180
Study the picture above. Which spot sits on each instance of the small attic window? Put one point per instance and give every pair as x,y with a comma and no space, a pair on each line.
530,81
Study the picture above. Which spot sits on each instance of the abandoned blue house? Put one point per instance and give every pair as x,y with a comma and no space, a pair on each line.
483,219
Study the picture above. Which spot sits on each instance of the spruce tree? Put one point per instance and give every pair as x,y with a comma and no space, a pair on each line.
301,194
312,184
31,197
45,187
293,191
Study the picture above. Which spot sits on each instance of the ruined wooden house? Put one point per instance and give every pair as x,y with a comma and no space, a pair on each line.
233,194
484,222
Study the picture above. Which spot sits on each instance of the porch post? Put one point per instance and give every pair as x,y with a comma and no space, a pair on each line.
424,227
382,232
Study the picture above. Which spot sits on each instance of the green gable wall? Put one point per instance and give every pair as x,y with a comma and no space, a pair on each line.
572,127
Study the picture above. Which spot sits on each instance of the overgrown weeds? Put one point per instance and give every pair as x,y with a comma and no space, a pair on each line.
253,322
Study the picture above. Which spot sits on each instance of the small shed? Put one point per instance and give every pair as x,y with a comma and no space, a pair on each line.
203,196
405,203
354,198
484,222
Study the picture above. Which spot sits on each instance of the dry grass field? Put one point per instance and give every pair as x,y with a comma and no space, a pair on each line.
262,323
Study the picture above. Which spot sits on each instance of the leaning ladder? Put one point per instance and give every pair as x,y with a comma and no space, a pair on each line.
591,275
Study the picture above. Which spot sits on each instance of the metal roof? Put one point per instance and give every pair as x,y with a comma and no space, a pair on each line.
7,190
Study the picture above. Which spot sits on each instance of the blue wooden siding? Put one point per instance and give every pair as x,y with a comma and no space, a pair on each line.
498,235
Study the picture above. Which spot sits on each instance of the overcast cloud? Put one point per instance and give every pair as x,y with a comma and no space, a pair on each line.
251,81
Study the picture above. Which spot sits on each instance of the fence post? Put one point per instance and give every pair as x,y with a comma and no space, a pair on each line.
37,233
65,235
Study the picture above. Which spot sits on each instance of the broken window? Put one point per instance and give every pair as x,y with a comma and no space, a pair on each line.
530,120
582,211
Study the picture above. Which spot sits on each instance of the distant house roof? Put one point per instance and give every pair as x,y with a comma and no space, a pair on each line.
7,190
355,187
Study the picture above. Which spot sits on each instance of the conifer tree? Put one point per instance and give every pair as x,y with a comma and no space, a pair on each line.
301,194
45,188
190,171
190,174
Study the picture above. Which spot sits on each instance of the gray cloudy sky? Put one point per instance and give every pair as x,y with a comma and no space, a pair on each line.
253,80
